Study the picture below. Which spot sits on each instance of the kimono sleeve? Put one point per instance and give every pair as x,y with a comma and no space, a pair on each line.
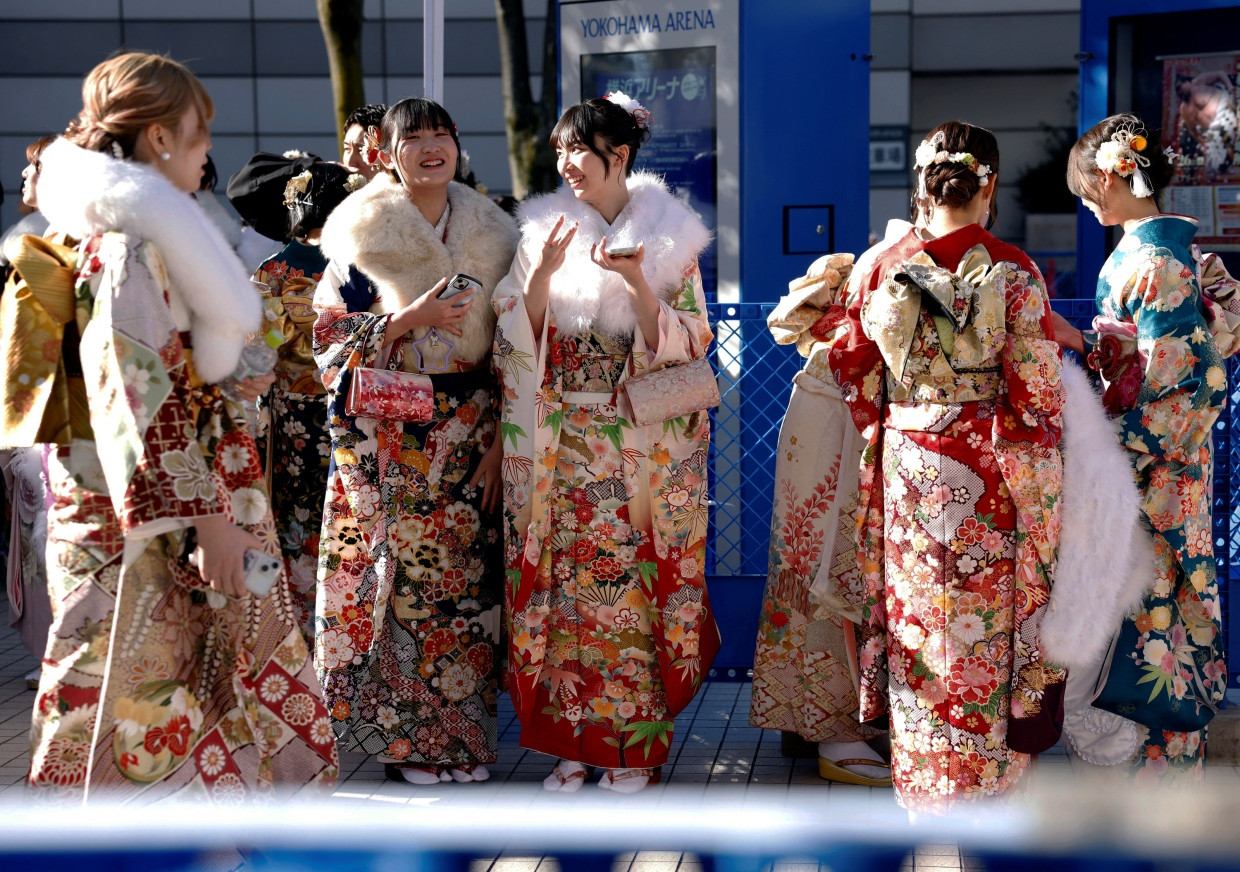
684,329
140,395
345,337
1185,382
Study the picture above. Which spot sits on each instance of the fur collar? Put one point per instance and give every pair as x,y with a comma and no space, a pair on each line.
85,193
585,296
379,230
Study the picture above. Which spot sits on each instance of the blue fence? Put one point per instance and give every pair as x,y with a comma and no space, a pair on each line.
755,377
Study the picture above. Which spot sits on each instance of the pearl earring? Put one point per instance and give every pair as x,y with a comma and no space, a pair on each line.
165,156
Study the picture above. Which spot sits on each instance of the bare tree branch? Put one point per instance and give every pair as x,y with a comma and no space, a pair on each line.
528,123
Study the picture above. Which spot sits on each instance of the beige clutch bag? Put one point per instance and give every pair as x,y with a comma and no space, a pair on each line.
672,392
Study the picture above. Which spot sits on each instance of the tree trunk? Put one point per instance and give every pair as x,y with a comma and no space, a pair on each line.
341,22
528,124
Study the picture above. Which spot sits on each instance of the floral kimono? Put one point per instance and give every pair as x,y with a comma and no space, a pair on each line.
293,439
805,656
952,380
1165,386
610,628
408,621
153,683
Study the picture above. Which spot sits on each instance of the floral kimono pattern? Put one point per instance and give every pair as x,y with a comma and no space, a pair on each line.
805,651
952,380
1166,386
408,610
292,423
610,629
152,683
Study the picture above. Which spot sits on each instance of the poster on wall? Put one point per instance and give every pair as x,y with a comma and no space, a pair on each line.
1200,125
677,87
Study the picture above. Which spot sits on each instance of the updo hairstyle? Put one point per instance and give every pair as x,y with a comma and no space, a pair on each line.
953,185
410,115
1083,163
125,94
324,191
600,119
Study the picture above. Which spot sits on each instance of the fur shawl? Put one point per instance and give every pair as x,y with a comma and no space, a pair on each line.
84,193
585,296
379,230
1106,558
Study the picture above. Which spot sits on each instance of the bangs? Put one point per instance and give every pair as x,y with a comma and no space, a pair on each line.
418,113
574,126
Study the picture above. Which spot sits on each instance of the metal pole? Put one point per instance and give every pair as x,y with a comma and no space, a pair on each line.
432,49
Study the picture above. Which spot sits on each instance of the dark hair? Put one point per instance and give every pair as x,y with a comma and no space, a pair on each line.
415,113
368,116
209,176
600,119
951,184
1083,159
326,190
35,150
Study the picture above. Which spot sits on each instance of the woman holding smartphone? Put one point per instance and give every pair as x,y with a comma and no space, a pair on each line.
610,627
408,609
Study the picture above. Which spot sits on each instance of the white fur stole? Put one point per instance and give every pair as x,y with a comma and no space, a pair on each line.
584,296
84,193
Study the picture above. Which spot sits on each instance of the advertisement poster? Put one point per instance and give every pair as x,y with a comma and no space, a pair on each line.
677,87
1200,126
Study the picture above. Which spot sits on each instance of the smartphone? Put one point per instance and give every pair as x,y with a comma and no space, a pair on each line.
261,571
463,286
622,251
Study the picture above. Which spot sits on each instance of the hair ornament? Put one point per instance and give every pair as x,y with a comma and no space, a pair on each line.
1171,155
641,115
354,182
371,153
114,148
298,184
1121,155
928,153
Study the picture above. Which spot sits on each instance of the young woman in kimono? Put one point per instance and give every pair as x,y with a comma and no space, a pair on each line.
610,629
954,383
1165,385
292,424
408,616
163,674
803,675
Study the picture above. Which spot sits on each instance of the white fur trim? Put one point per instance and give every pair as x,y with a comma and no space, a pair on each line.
584,296
84,193
379,230
1106,557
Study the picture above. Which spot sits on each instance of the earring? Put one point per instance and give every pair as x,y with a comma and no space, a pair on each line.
165,156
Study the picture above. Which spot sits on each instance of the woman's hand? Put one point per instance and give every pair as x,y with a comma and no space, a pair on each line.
551,256
250,389
538,280
221,554
429,311
628,267
1067,335
487,474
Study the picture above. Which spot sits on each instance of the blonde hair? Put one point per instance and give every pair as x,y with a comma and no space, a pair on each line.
125,94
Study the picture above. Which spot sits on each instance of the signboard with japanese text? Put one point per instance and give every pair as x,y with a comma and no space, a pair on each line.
680,61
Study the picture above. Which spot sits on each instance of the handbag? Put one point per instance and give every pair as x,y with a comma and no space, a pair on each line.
1126,691
672,392
390,395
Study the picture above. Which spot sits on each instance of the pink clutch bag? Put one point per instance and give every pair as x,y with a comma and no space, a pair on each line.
672,392
390,395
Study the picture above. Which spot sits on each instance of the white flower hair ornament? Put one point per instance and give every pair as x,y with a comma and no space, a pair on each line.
1121,154
355,182
928,153
641,115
